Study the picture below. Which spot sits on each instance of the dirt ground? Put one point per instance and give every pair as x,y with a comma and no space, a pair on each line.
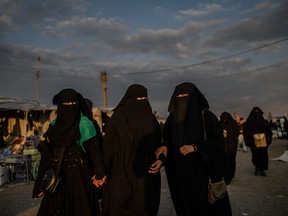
249,195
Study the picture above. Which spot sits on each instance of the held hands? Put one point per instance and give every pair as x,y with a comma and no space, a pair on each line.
186,149
98,183
225,133
161,150
155,167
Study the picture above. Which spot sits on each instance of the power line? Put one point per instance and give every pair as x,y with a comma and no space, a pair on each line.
53,70
208,61
217,76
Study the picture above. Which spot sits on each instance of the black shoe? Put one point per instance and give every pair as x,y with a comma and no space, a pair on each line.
257,172
262,173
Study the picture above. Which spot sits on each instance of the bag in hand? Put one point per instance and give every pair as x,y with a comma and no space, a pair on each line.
216,191
260,140
49,182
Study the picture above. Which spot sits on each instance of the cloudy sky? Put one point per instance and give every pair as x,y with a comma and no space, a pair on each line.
234,51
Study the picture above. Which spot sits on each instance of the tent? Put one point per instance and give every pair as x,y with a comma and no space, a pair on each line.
23,117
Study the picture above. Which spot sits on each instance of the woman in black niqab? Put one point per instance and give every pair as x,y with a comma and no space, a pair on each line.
256,124
76,194
192,155
131,138
65,128
231,132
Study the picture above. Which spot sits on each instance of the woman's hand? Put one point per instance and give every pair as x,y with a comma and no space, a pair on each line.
225,133
39,195
186,149
155,167
161,150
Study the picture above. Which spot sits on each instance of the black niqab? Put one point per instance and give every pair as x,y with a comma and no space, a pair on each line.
139,116
187,112
256,121
66,128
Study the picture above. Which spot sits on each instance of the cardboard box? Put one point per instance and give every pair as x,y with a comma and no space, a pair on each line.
30,151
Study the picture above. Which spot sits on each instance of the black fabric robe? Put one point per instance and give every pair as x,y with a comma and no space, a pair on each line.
76,194
188,175
257,124
129,150
231,144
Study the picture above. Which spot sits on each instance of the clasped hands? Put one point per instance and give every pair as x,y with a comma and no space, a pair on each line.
98,183
156,166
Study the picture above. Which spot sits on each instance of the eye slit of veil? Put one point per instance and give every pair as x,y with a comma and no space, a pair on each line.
141,98
70,103
182,95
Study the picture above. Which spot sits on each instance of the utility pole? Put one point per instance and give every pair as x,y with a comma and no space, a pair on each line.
37,79
104,82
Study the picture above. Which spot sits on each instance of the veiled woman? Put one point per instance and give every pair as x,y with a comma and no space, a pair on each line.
131,139
256,124
231,133
73,131
194,138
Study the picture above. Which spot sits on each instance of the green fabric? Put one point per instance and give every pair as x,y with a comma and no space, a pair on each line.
87,130
53,121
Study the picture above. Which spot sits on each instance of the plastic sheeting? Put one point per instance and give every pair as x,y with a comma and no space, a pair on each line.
23,105
283,157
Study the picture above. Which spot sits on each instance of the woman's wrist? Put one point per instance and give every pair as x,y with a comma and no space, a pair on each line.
162,158
194,147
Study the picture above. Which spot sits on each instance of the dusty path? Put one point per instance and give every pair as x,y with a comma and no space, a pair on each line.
250,195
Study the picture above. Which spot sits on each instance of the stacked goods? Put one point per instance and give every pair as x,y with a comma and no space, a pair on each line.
23,168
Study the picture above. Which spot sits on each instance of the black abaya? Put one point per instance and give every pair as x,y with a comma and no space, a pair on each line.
231,129
257,124
188,175
76,194
131,138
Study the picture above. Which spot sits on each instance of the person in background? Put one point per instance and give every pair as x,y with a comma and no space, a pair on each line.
241,142
231,133
195,152
131,152
272,125
2,141
240,121
255,128
72,129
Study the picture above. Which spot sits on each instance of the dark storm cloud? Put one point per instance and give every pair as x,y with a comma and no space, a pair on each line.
36,11
254,29
8,10
111,34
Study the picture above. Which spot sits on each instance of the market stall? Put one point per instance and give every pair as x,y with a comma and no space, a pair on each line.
23,123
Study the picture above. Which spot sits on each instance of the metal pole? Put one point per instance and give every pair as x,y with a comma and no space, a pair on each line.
37,79
104,82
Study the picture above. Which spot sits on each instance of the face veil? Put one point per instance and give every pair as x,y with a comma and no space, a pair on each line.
65,130
187,112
